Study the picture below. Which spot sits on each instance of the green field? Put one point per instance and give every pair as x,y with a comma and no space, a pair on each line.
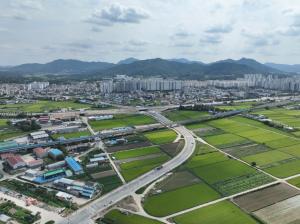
221,171
72,135
7,131
283,116
206,159
181,115
173,201
265,158
42,106
286,169
136,152
292,150
225,139
161,136
117,217
122,120
196,125
136,168
236,106
295,182
221,213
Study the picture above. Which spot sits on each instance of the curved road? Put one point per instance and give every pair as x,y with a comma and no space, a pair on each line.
86,214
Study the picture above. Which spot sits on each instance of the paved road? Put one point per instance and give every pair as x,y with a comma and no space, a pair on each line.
85,214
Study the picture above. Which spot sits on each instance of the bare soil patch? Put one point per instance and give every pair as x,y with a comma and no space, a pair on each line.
262,198
284,212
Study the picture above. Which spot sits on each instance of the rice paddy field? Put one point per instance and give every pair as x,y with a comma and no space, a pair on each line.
182,115
168,202
289,117
275,151
161,136
137,152
122,120
117,217
131,170
223,212
41,106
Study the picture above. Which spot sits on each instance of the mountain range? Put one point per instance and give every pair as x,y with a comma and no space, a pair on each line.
174,68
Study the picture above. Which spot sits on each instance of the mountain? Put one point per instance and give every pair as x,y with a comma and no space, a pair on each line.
62,67
185,61
252,64
174,69
284,67
127,61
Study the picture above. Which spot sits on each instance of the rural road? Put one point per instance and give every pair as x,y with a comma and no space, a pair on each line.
86,214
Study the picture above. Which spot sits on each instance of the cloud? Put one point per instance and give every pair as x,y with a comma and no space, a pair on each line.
27,4
183,44
137,43
219,29
211,39
96,30
294,28
267,38
117,13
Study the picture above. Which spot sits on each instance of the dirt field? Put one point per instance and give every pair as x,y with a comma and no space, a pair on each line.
172,149
245,150
128,146
103,174
259,199
178,180
284,212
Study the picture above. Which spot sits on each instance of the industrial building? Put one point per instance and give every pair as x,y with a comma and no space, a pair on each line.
77,188
74,165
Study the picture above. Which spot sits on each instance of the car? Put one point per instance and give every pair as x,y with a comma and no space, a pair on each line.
159,168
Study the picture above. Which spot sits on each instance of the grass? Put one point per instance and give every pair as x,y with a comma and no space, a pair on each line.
265,158
122,120
283,116
236,106
181,115
42,106
117,217
295,182
224,139
72,135
286,169
173,201
161,136
223,212
222,171
137,152
292,150
196,125
206,159
136,168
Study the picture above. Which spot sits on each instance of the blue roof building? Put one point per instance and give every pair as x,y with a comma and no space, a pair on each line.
55,153
74,165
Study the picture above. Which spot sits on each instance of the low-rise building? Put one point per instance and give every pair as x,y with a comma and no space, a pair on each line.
74,165
56,154
15,162
40,152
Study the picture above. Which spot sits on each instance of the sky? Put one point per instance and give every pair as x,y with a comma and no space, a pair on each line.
108,30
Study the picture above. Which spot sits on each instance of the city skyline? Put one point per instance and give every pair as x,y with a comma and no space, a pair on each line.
40,31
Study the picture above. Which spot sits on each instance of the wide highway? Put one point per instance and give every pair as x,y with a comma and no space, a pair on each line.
86,214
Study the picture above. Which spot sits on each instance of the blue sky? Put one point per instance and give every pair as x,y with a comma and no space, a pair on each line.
108,30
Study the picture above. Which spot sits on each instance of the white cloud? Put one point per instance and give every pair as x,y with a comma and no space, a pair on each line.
117,13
